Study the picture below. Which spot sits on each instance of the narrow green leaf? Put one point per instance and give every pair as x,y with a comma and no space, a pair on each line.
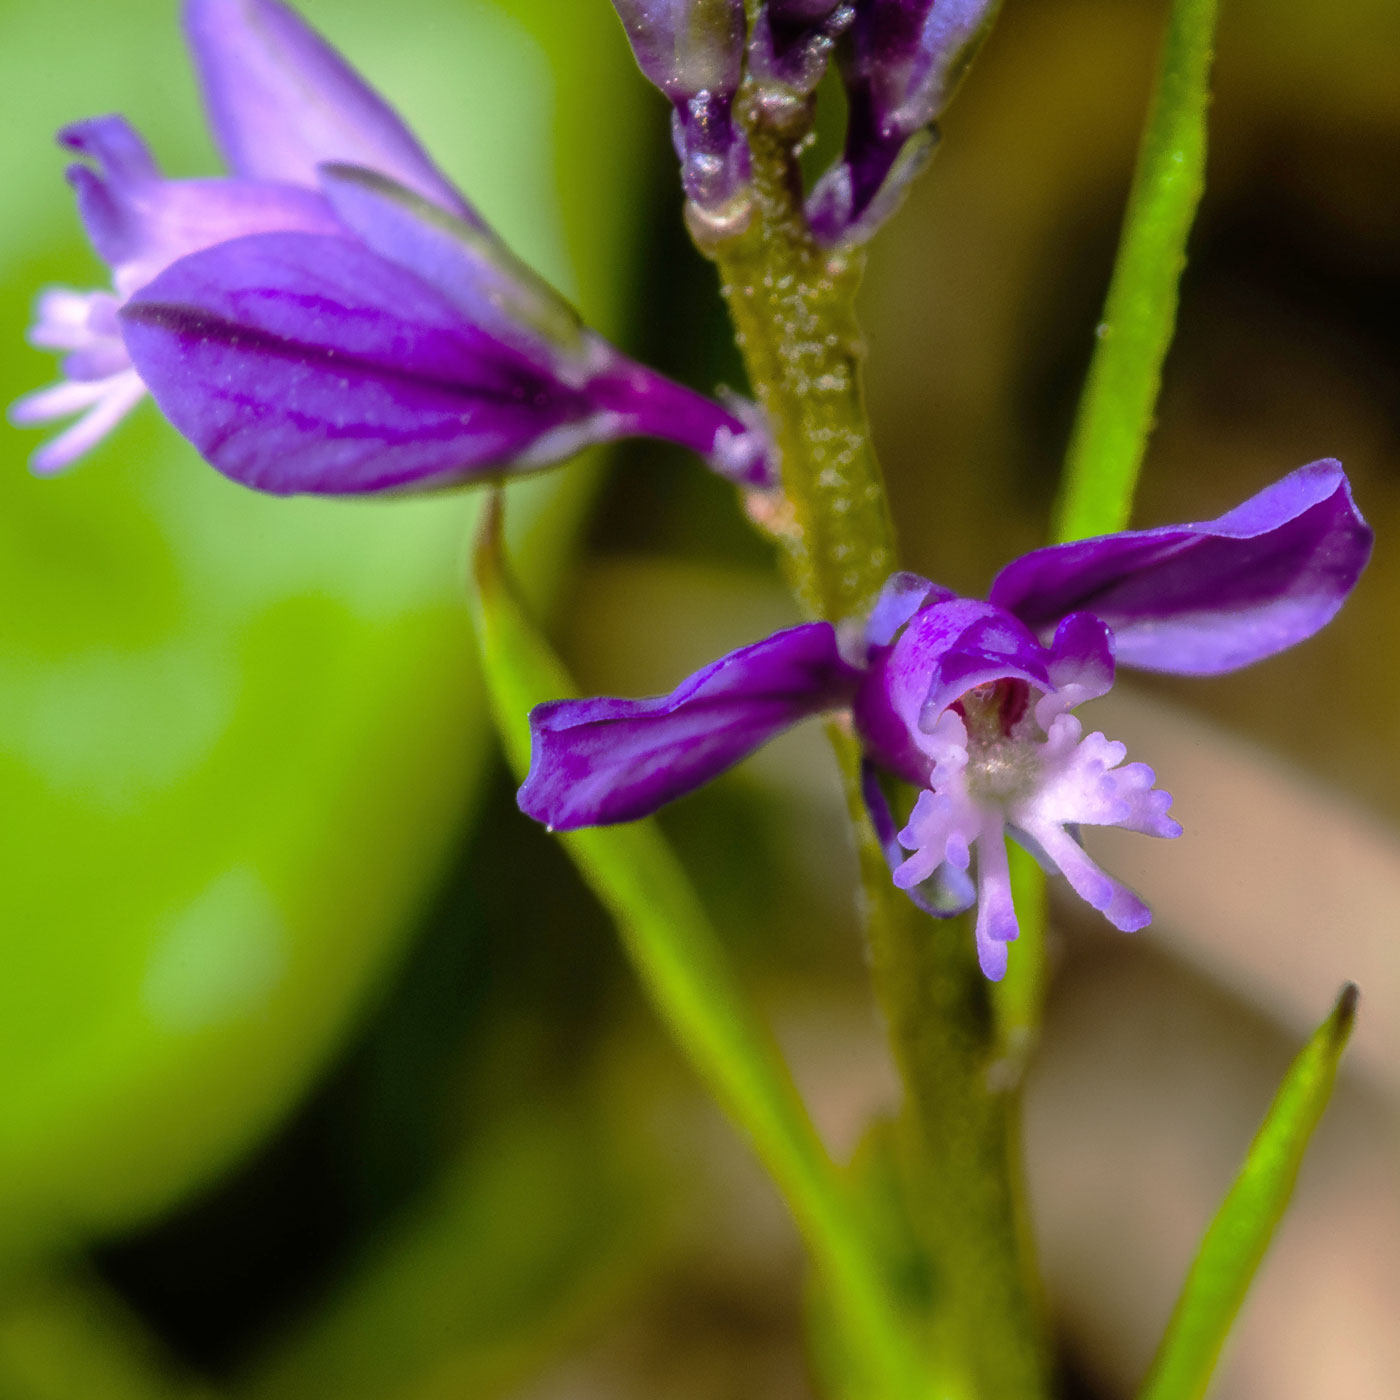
64,1333
1235,1243
1119,400
1018,1000
683,968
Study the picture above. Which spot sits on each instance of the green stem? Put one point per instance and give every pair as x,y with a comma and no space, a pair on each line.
1120,396
791,303
962,1134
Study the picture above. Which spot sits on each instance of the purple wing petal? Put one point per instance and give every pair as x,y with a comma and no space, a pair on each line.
281,101
493,289
600,761
465,261
901,597
1207,598
302,363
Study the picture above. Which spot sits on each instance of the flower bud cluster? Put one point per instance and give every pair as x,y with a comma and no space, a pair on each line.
899,60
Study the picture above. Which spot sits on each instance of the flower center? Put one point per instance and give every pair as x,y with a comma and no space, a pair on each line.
1003,741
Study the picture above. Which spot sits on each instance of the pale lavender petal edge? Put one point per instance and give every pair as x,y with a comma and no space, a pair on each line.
1206,598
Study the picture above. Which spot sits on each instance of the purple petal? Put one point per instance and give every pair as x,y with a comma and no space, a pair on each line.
648,404
944,891
1206,598
996,911
1081,659
600,761
946,650
464,261
904,60
102,404
281,101
493,289
301,363
952,647
1113,899
140,222
109,197
901,597
180,217
115,145
686,46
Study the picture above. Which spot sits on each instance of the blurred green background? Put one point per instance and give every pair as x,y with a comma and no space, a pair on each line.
319,1072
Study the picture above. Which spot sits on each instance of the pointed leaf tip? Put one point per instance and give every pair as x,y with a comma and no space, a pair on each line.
1343,1018
1238,1237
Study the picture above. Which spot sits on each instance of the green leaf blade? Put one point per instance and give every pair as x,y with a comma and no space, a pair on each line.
1116,410
681,962
1235,1243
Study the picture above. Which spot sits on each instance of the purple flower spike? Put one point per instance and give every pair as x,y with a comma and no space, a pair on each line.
334,318
693,50
901,63
971,703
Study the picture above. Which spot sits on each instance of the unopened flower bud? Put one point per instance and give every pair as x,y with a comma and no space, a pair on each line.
793,40
901,63
693,50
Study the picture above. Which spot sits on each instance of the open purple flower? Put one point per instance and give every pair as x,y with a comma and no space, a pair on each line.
971,702
334,317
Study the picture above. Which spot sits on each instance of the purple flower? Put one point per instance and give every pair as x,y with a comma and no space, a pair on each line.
334,316
971,702
693,50
901,61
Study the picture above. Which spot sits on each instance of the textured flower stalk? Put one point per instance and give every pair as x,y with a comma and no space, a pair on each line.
334,317
791,302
